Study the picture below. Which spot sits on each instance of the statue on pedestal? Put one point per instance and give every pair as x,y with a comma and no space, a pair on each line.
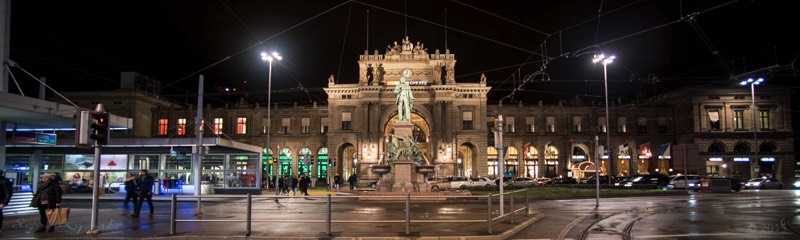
405,100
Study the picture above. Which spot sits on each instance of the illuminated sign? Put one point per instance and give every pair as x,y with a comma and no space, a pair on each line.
768,159
741,159
35,138
410,82
715,159
580,157
625,157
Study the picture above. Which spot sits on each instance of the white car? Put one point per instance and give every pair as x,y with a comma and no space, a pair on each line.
678,182
451,183
481,182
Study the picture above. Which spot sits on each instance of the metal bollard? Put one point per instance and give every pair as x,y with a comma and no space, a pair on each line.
199,210
511,199
328,218
172,212
408,213
527,207
249,213
489,213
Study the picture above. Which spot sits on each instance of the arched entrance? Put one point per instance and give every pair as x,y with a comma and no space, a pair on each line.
304,162
421,133
346,156
322,164
550,161
491,162
511,162
531,161
466,160
285,162
766,161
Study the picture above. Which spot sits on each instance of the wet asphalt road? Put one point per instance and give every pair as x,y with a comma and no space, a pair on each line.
749,214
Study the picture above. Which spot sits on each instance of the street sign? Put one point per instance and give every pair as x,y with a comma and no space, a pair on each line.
35,138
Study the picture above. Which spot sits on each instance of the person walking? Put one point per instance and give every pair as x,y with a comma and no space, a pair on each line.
287,183
5,194
131,189
294,186
47,196
353,180
336,181
145,192
304,182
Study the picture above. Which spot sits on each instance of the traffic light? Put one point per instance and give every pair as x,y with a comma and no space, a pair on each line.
100,128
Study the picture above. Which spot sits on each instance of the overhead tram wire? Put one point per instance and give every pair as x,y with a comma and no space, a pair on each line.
256,44
239,19
344,41
500,17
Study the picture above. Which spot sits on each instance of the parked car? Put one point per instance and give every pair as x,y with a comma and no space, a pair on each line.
505,181
797,183
659,180
481,182
736,184
764,183
564,180
603,179
523,182
622,181
544,180
451,183
680,182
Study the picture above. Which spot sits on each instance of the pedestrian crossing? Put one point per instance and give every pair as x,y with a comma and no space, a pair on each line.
20,205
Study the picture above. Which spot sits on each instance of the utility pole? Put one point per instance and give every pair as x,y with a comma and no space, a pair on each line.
198,155
501,152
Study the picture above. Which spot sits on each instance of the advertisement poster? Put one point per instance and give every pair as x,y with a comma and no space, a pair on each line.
86,162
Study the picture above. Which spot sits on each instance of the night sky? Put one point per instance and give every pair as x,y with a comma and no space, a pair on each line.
84,45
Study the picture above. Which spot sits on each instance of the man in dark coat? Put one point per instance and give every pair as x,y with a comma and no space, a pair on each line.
5,194
146,192
353,180
304,182
47,196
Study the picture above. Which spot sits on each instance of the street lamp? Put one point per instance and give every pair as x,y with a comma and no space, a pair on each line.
753,83
269,58
605,61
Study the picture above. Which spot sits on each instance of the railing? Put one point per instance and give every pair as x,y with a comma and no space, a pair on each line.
490,219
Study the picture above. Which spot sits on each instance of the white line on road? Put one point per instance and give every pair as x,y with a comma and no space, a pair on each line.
713,234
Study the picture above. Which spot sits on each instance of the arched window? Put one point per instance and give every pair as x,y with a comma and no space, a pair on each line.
715,148
741,148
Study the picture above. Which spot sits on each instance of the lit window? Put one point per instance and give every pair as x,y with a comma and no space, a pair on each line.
601,122
530,125
576,124
551,124
181,126
738,119
241,125
285,123
510,125
764,116
163,125
306,125
217,126
623,125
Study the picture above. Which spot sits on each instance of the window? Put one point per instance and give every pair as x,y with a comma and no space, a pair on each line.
323,125
306,125
510,125
551,124
217,126
623,125
576,124
347,123
764,117
285,123
530,124
163,126
181,126
738,119
601,121
347,96
265,125
241,125
466,120
662,125
713,120
642,125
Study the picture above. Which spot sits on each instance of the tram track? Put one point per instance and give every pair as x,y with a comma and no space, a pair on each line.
787,223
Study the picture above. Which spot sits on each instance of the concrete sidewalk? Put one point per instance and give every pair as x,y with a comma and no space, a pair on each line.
168,196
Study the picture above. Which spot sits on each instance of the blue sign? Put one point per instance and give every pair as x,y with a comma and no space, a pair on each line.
35,138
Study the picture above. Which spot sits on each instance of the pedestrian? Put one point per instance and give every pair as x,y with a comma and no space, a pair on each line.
286,184
353,180
47,196
336,181
145,192
131,189
5,194
294,186
304,182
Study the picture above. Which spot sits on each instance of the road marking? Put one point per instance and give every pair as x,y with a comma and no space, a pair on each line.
569,227
713,234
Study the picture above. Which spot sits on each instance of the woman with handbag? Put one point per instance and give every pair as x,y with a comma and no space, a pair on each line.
48,196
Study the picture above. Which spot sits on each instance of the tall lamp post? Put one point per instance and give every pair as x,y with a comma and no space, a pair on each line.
605,61
753,82
269,58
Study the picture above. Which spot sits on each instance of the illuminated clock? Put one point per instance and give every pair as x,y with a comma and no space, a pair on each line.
407,73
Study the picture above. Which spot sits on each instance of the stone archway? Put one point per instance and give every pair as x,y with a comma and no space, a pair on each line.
421,131
344,160
467,163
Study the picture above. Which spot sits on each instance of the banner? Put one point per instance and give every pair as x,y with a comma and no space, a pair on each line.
644,151
664,151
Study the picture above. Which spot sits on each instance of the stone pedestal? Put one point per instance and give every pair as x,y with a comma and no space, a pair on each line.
403,128
402,172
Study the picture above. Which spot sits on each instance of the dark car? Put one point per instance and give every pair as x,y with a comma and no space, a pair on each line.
505,181
603,179
622,181
736,184
657,180
564,180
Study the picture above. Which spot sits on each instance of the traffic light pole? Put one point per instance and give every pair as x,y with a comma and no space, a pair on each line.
96,186
196,163
501,164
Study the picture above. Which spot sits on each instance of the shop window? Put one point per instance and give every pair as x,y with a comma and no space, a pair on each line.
181,126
